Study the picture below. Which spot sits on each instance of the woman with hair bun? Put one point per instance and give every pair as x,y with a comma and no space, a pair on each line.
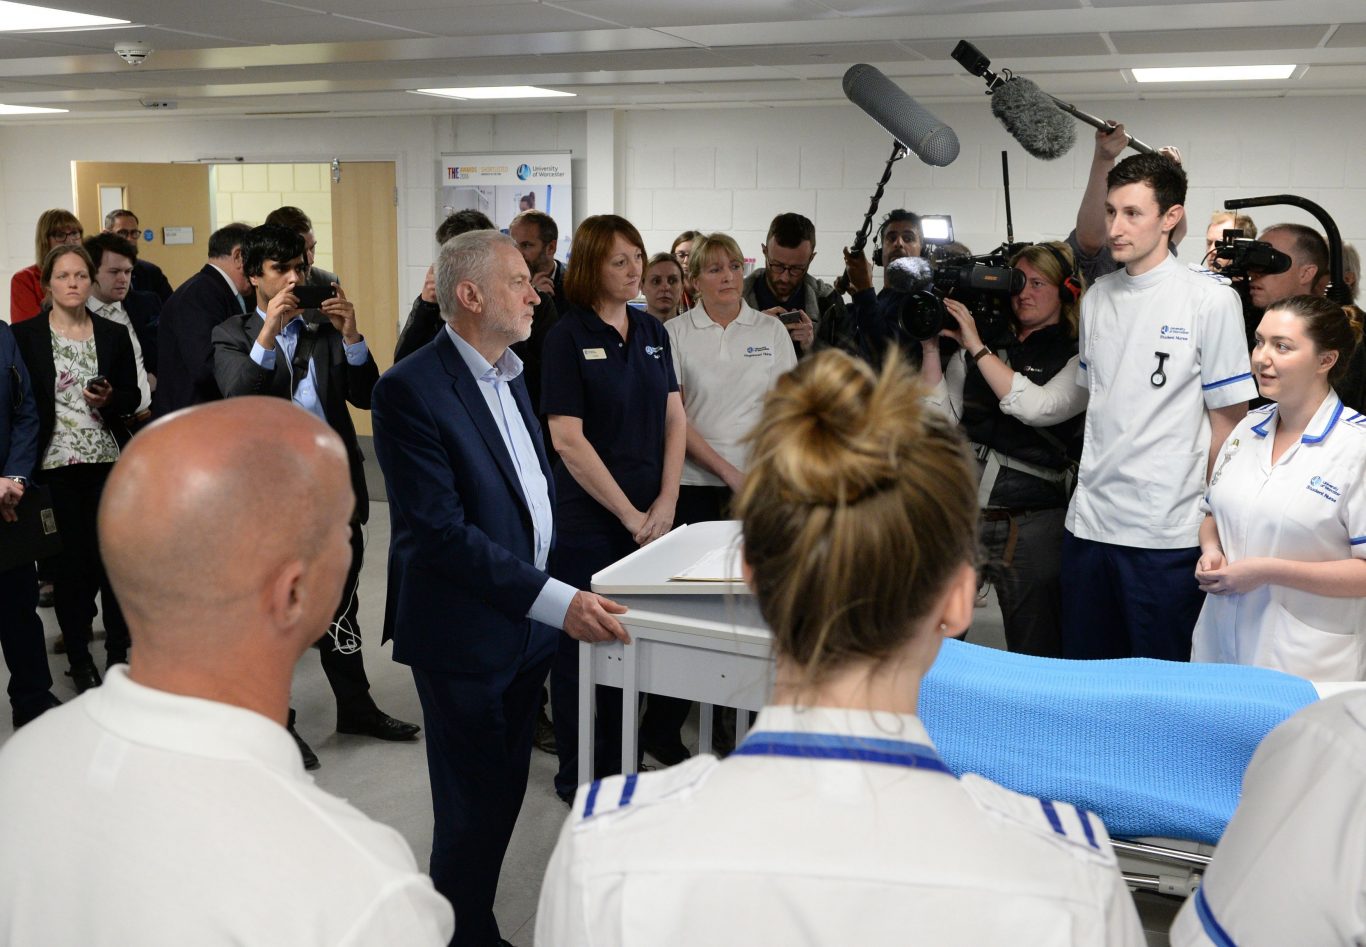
1283,544
834,821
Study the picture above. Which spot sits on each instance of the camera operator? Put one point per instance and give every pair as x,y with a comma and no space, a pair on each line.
1308,273
1020,407
1222,220
873,314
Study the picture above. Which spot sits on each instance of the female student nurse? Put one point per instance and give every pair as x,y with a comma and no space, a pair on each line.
1283,549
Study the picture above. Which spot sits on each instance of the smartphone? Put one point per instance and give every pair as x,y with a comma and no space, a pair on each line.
311,297
99,381
790,317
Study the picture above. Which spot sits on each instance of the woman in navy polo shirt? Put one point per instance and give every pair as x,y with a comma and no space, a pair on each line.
611,400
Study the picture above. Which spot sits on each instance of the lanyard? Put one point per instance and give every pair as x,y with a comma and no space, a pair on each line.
826,746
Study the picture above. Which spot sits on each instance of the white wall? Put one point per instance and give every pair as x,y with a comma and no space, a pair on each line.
732,170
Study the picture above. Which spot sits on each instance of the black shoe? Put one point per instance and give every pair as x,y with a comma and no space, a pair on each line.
379,725
309,757
670,754
44,594
84,676
59,646
31,713
544,740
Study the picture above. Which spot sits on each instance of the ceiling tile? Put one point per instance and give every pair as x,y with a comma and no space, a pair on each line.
489,20
904,7
1018,47
1348,34
661,14
1234,39
806,54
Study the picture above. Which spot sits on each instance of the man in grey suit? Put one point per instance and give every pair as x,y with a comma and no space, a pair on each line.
321,366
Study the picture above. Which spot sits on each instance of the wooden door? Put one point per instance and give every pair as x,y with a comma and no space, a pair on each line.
365,254
162,195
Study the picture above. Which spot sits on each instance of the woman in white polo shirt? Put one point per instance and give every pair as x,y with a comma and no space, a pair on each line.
727,355
1283,547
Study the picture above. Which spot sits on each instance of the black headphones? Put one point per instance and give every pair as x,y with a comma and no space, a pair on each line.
900,215
1069,289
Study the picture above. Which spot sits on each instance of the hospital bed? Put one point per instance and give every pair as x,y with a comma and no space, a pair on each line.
1157,749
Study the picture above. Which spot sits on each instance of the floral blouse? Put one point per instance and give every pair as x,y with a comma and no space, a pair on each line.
79,436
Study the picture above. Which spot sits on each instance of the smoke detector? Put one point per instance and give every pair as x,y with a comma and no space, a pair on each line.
134,53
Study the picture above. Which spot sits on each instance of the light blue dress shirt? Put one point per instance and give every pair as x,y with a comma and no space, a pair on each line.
494,381
306,394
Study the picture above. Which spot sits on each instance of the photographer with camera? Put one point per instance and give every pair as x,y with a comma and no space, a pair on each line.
871,314
1020,407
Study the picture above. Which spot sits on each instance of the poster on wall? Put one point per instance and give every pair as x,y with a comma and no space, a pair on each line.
504,184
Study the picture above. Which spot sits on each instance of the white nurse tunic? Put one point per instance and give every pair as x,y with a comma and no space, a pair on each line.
1309,506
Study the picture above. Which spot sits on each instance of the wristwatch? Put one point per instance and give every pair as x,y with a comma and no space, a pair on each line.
981,353
22,481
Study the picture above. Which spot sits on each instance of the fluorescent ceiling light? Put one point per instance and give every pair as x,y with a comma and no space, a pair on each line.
1213,73
496,92
24,16
25,110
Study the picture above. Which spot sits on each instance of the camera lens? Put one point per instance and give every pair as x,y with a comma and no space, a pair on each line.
922,315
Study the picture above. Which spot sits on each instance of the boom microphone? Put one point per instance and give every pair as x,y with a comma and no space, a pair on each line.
1032,119
907,121
908,274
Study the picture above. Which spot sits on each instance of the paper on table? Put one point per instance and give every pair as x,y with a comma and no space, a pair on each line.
719,565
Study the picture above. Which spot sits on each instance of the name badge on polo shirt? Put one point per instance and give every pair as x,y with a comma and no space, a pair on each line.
593,355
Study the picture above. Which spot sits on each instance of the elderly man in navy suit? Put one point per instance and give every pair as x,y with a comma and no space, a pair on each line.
471,608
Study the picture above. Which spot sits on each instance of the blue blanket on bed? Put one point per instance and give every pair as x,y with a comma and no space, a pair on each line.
1152,747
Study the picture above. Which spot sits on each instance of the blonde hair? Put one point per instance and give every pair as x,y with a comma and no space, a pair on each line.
707,245
858,507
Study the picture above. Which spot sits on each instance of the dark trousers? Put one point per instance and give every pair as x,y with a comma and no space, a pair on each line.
1122,602
1023,559
345,670
576,557
479,729
21,639
78,571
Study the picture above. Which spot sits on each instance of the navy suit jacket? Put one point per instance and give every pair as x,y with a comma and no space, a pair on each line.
18,411
461,549
144,312
184,366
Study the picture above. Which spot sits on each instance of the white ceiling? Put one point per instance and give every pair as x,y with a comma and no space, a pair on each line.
247,57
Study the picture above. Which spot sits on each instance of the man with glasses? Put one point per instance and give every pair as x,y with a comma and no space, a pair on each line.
785,285
147,276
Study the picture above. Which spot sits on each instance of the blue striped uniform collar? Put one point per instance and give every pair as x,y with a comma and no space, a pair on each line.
1328,428
831,746
1261,427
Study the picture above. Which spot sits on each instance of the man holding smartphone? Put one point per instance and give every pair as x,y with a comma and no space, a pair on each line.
321,367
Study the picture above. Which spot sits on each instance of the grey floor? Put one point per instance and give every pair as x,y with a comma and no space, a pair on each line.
389,781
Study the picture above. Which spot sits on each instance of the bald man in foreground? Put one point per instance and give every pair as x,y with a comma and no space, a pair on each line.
170,807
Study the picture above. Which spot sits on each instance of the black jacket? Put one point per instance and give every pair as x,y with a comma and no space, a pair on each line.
1038,358
184,365
114,355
